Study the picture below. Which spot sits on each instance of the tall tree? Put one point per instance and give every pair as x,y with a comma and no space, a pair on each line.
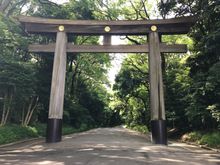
203,110
132,89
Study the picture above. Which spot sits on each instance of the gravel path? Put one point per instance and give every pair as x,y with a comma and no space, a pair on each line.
105,146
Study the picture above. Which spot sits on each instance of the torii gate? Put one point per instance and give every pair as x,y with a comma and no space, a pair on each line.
153,28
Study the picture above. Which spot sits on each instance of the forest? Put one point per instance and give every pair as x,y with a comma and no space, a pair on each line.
191,80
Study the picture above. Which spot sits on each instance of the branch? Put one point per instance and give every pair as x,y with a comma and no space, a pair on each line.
4,5
135,66
132,40
136,11
48,2
145,9
84,40
14,6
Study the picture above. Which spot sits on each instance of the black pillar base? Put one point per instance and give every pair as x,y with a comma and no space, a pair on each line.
54,130
159,132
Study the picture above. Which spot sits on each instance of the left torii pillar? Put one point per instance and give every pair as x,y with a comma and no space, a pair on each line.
54,125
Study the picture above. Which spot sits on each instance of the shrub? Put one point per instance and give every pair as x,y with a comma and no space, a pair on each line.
41,129
195,136
211,139
12,133
68,130
140,128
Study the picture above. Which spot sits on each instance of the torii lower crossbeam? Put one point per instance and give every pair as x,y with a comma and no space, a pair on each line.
164,48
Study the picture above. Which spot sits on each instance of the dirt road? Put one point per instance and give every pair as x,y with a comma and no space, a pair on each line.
106,146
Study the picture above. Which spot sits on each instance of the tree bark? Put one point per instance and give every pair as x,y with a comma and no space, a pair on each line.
4,5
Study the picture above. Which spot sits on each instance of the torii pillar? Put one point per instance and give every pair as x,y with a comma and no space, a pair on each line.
158,119
54,126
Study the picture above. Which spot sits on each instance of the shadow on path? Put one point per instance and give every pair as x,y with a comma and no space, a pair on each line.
106,146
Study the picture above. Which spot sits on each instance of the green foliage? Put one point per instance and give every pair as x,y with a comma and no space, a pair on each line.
131,91
81,9
191,86
17,71
194,136
204,64
76,115
68,130
13,133
200,99
211,139
41,129
86,98
140,128
176,83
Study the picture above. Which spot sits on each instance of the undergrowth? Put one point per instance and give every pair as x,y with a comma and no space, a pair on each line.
210,139
12,133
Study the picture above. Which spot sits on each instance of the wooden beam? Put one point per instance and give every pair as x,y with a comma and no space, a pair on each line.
156,80
92,27
107,40
58,78
36,48
153,74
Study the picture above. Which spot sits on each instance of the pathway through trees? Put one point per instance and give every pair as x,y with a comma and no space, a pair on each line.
105,146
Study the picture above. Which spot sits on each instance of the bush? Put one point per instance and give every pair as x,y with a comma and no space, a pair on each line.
68,130
13,133
139,128
195,136
211,139
41,129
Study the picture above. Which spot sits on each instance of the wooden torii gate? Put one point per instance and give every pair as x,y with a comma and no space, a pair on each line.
152,28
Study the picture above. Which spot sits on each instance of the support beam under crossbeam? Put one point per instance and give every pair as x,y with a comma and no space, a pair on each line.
164,48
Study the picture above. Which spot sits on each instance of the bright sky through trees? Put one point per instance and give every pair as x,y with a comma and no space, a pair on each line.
117,57
59,1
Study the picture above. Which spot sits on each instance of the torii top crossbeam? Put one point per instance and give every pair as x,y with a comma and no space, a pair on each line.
93,27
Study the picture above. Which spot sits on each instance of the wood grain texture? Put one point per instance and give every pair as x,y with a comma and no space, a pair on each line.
108,48
156,82
58,78
94,27
107,40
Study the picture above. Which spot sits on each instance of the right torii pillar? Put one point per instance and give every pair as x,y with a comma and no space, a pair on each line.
158,119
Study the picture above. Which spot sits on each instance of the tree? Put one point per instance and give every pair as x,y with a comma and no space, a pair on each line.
4,4
132,89
85,72
203,108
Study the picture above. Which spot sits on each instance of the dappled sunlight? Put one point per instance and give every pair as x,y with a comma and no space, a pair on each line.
49,163
171,160
108,146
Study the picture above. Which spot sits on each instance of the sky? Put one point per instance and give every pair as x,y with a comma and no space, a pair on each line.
59,1
116,62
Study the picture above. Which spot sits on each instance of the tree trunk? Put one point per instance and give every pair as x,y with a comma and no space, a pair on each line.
6,108
32,111
31,107
4,5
